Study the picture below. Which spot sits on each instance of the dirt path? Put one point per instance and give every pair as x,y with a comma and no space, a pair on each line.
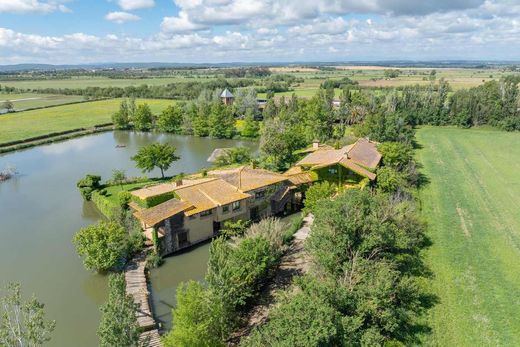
293,263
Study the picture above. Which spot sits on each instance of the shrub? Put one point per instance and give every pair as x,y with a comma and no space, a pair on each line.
300,320
87,185
124,199
153,260
316,193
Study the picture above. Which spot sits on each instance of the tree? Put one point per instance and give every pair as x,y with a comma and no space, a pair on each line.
196,318
156,155
8,105
118,326
318,192
170,120
103,245
251,127
23,323
278,141
121,118
395,154
236,155
119,177
143,118
221,122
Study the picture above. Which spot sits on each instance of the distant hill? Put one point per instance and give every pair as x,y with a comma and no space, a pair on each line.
150,65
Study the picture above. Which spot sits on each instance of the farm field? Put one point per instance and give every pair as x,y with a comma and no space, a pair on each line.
472,206
26,124
31,100
370,76
84,82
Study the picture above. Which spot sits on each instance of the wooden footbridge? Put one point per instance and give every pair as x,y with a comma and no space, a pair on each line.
137,287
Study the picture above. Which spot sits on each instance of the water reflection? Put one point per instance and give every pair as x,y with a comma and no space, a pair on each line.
41,209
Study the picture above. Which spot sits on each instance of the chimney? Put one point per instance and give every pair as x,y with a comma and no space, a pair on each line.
315,144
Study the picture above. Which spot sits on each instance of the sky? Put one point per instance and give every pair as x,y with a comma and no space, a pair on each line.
215,31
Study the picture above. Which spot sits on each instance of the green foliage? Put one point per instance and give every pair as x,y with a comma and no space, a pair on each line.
221,122
390,180
118,326
366,247
124,199
299,320
156,155
396,155
386,127
170,120
87,185
103,245
278,142
318,192
251,128
143,118
199,319
236,272
234,228
118,177
235,155
121,118
153,260
23,323
288,234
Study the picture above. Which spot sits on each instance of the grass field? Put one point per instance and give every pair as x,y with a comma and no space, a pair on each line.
32,100
472,206
372,76
22,125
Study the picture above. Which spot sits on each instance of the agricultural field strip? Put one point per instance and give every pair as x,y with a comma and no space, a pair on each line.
471,205
27,124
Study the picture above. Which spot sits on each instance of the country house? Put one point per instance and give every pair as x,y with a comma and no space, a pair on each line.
198,206
191,210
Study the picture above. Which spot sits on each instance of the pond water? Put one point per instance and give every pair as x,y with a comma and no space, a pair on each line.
41,209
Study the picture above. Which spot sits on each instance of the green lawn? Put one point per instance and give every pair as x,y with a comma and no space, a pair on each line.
472,206
32,100
22,125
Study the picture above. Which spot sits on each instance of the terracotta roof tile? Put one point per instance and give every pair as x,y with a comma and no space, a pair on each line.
153,215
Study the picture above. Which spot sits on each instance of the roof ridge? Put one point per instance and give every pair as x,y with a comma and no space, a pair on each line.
211,179
209,197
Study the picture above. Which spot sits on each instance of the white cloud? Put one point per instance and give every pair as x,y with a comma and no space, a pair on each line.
26,6
180,24
129,5
270,30
121,17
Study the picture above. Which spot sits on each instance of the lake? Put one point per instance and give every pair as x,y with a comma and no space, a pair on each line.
41,209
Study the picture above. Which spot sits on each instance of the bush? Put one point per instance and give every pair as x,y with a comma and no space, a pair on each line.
300,320
316,193
87,185
153,260
124,198
296,224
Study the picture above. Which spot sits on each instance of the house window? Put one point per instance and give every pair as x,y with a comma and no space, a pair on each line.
206,213
225,209
260,194
235,205
333,170
193,216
